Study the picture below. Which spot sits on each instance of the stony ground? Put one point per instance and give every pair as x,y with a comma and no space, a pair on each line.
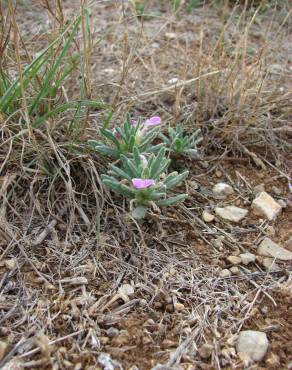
204,285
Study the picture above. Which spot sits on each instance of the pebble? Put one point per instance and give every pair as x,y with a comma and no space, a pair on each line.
3,349
266,206
122,339
112,332
170,35
269,248
179,307
270,231
258,189
234,260
174,80
231,213
247,258
252,345
218,174
225,273
269,264
167,343
276,190
223,189
205,351
208,217
10,263
126,289
204,164
282,203
235,270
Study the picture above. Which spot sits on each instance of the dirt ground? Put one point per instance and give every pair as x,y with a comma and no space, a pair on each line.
150,295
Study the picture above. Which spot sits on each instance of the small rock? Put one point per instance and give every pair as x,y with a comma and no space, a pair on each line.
218,174
270,231
223,189
126,289
112,332
168,344
269,264
170,35
258,189
252,345
270,249
234,260
205,351
276,190
282,203
247,258
276,68
122,339
208,217
109,71
174,80
179,307
194,185
231,213
266,206
218,244
225,273
204,164
3,349
10,263
235,270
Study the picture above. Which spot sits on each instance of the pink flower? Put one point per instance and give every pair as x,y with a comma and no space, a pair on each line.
142,183
133,122
153,121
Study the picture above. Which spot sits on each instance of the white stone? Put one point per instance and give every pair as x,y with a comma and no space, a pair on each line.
170,35
173,81
235,270
282,203
247,258
225,273
258,189
126,289
252,345
266,206
234,260
208,217
269,264
268,248
205,351
10,263
231,213
222,189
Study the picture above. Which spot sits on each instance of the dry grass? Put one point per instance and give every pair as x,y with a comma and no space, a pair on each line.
73,245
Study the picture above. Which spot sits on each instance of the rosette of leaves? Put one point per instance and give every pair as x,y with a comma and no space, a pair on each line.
122,140
179,143
144,181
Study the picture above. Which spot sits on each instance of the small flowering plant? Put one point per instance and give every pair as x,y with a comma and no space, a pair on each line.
144,181
179,143
122,140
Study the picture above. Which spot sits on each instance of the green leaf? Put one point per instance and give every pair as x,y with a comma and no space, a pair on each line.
174,179
157,163
65,107
119,172
131,169
172,200
49,75
139,212
109,135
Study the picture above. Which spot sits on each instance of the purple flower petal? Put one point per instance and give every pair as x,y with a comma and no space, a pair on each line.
133,122
142,183
153,121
